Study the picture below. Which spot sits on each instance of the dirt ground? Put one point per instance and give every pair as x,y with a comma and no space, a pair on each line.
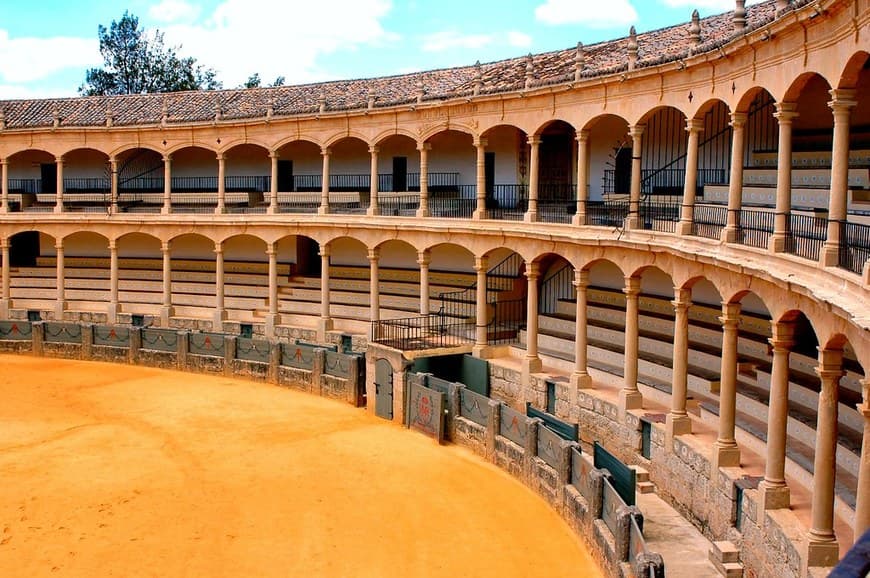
111,470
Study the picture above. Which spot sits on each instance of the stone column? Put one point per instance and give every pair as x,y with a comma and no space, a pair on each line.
219,311
166,311
532,362
842,103
167,185
324,185
785,114
423,259
113,193
221,184
629,395
823,549
480,193
678,422
636,133
424,148
58,205
531,215
374,286
582,177
726,453
272,317
480,341
862,507
694,126
5,300
735,181
273,184
773,489
60,304
112,312
581,379
325,324
4,186
373,202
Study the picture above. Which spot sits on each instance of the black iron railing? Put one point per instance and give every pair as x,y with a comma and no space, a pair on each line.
508,319
666,181
606,213
25,186
806,235
453,205
424,332
658,216
555,288
709,220
508,202
854,246
86,185
399,205
556,211
755,228
299,203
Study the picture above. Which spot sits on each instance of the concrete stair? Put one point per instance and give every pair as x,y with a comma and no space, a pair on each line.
726,558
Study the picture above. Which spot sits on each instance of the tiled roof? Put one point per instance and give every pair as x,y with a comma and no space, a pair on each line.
655,47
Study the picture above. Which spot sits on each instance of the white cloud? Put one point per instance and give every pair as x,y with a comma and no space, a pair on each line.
448,39
279,37
173,11
29,59
519,39
16,91
593,14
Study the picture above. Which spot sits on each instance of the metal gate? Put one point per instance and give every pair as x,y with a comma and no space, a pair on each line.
383,389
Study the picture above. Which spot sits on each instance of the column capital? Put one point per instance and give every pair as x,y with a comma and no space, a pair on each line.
374,149
738,119
424,258
59,159
113,163
785,112
533,270
374,255
4,243
325,151
165,246
694,125
533,140
632,286
480,142
58,245
167,158
271,251
424,146
481,264
730,314
324,251
830,364
274,155
682,298
783,335
636,130
221,157
583,135
581,278
845,98
218,247
113,244
4,161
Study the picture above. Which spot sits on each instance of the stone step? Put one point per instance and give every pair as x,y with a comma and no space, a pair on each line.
725,552
646,487
641,475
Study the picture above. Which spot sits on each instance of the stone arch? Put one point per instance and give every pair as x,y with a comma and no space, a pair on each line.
244,247
441,127
852,70
296,139
138,245
395,132
798,85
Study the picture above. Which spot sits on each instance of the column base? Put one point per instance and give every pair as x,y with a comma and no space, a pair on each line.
220,316
220,210
530,217
324,326
629,399
729,234
579,219
725,457
373,211
323,210
531,365
777,243
58,208
271,323
112,312
677,425
422,213
271,210
113,209
59,308
822,553
684,228
166,313
581,380
830,255
482,351
774,497
478,215
164,210
5,305
631,223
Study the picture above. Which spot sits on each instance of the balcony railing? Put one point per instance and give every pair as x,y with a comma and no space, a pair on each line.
606,213
664,181
424,332
854,246
454,205
508,202
755,228
806,235
398,205
709,220
657,216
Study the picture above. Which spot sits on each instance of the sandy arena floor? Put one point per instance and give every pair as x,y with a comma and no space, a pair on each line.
110,470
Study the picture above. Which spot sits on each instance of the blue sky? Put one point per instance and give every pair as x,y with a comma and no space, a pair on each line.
46,46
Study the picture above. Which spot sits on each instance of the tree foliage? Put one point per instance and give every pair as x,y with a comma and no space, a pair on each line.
136,62
255,82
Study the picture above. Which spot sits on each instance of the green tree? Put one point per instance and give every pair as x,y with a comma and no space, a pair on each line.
135,62
255,82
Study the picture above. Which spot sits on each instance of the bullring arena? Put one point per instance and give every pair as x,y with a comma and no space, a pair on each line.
622,272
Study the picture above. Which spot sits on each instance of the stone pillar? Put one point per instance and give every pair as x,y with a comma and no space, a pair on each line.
480,341
373,202
636,133
424,148
581,379
531,215
60,304
272,317
694,126
822,547
58,205
862,507
629,395
219,311
582,177
4,186
678,422
273,184
785,114
325,324
480,193
221,184
735,182
113,193
532,362
112,312
374,287
324,185
5,301
167,185
726,453
166,311
842,103
773,489
423,259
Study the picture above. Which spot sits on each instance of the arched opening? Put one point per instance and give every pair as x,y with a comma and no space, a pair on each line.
32,181
247,179
86,181
194,180
714,137
300,177
557,159
663,168
506,172
140,180
139,275
192,277
605,152
350,176
452,174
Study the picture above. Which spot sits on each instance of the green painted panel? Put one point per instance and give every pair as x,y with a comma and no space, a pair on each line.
622,477
563,429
